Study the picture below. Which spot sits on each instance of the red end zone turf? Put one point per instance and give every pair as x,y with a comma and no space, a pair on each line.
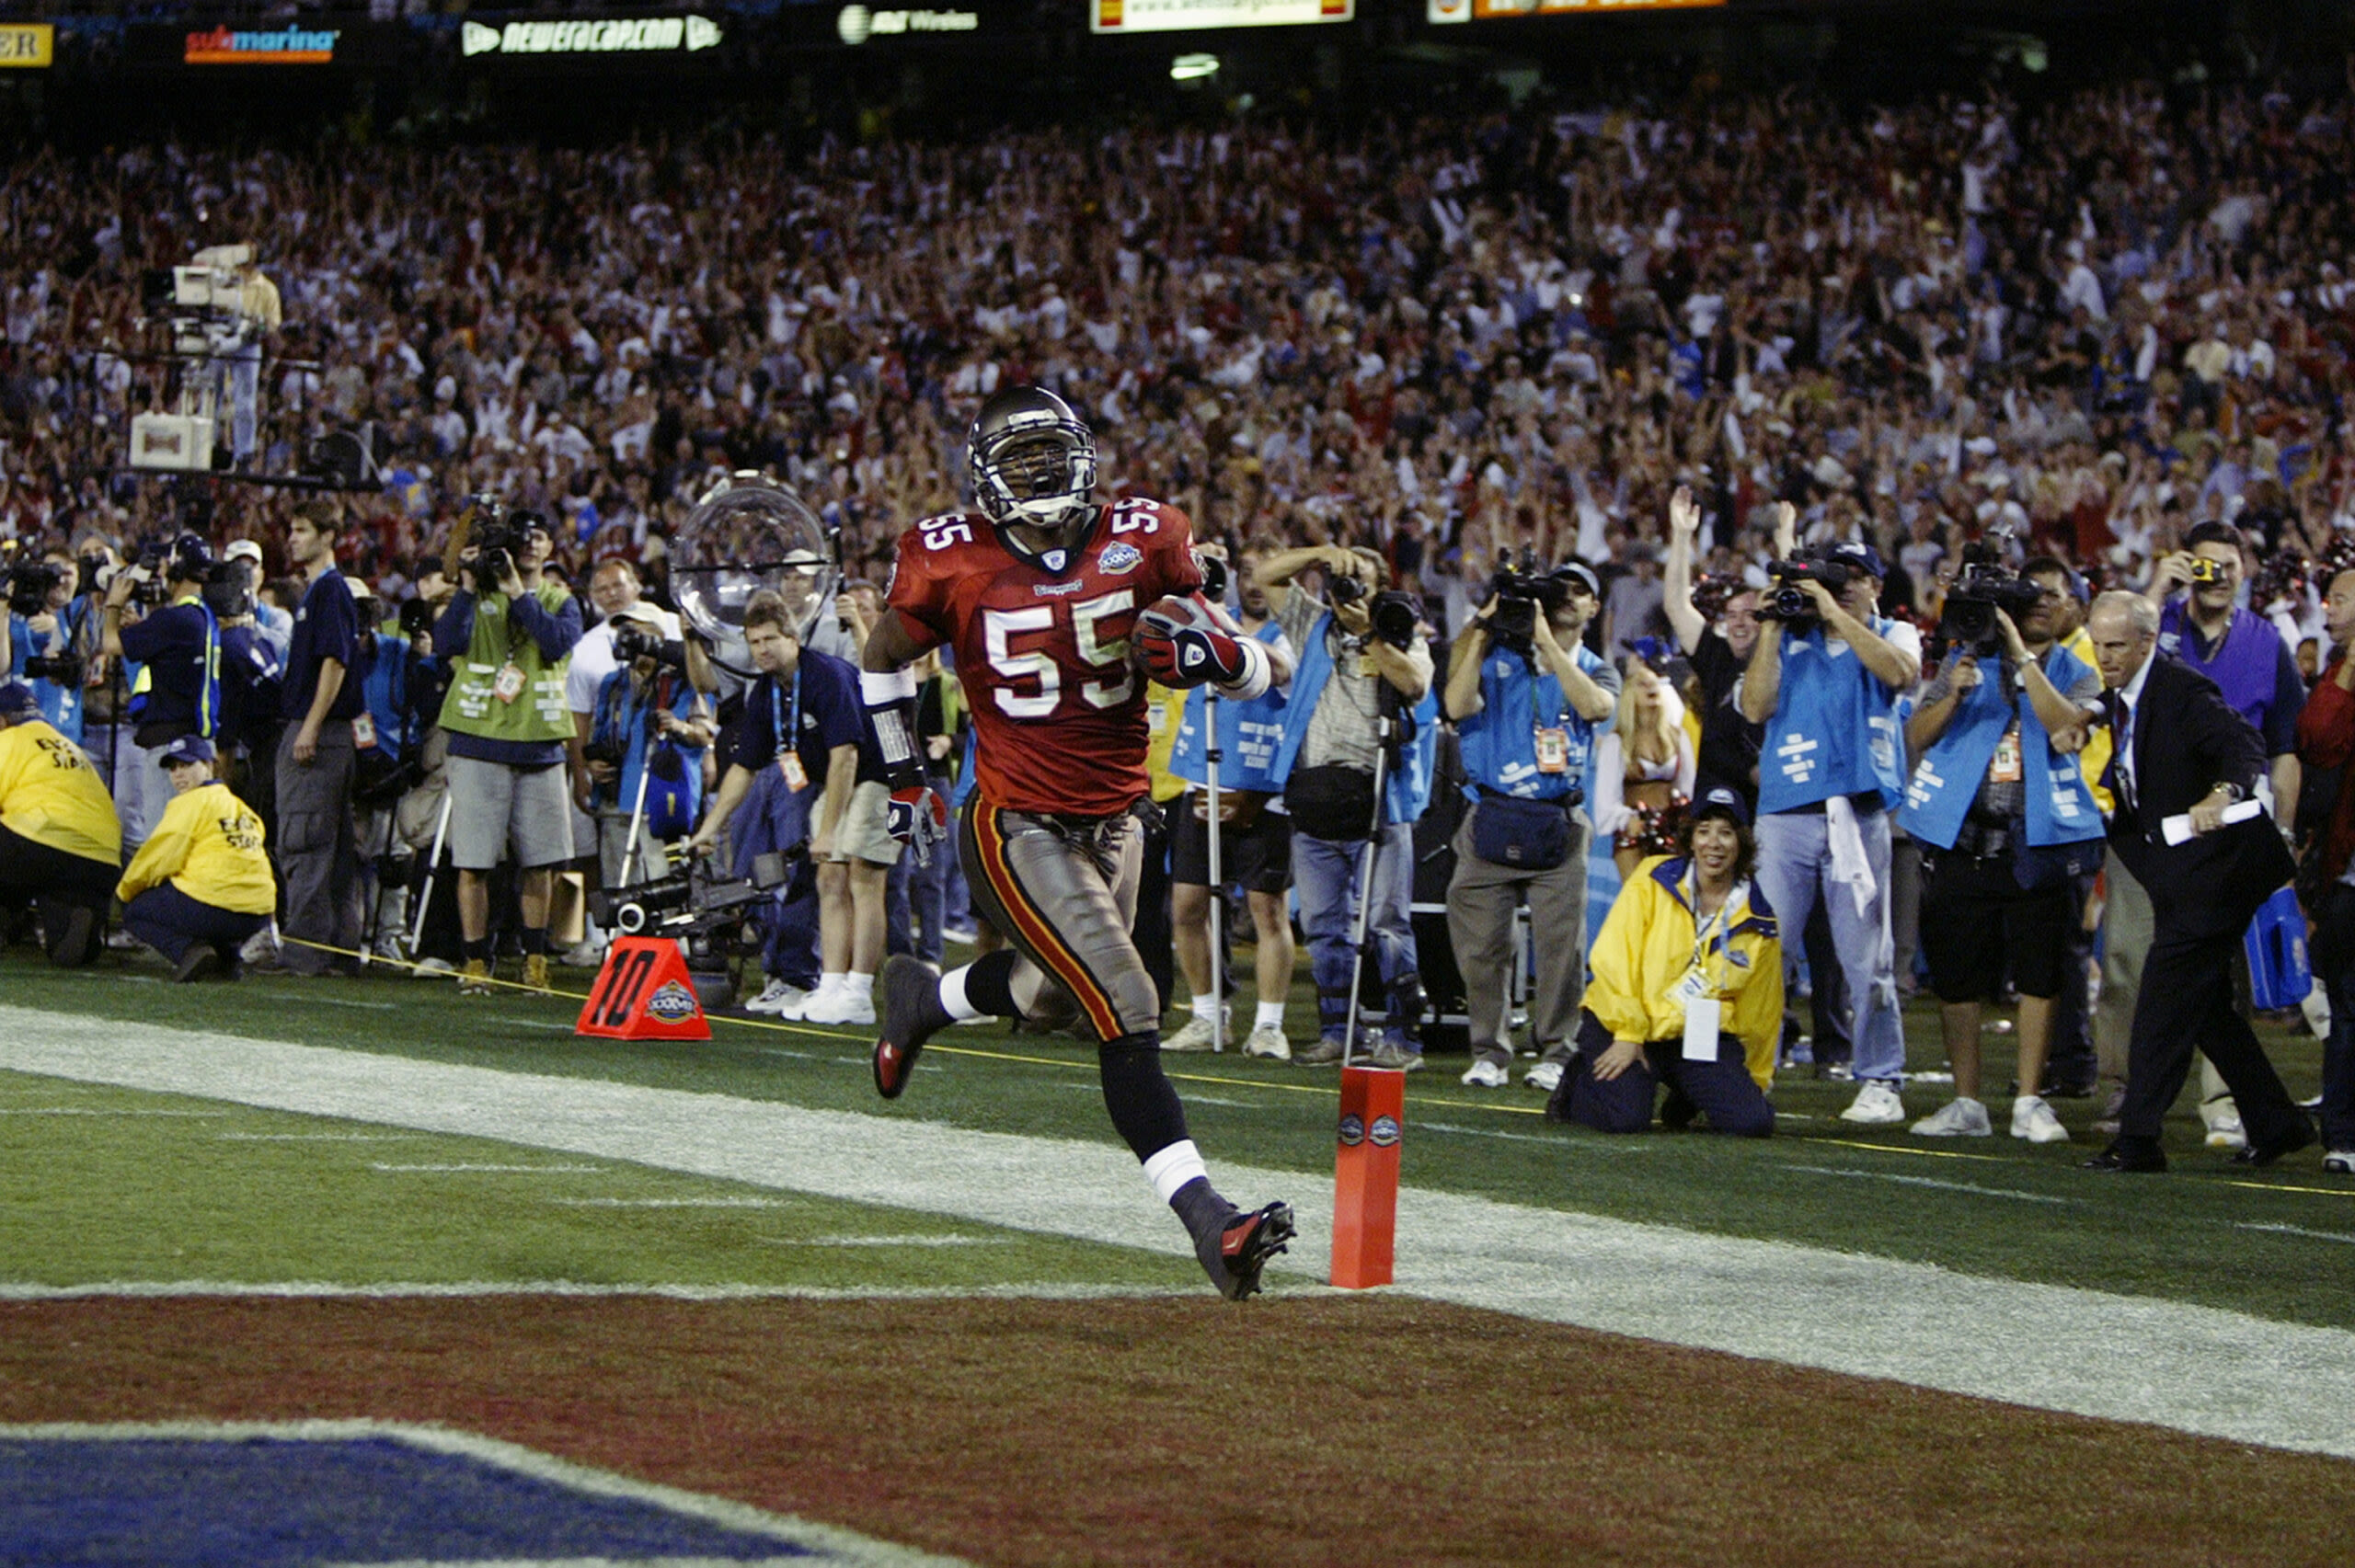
1307,1431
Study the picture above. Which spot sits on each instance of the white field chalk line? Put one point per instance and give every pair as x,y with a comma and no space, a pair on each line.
2195,1368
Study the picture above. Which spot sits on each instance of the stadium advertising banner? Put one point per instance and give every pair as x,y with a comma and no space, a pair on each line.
1208,15
857,24
605,38
26,46
1491,10
283,46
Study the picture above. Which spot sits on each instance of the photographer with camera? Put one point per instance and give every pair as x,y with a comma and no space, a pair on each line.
797,753
321,706
641,769
508,635
60,842
2008,824
1825,683
1361,656
52,635
1527,698
176,692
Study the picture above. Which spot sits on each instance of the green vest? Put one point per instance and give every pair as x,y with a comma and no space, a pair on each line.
538,712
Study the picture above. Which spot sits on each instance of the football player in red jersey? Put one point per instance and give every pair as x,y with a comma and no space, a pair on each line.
1042,594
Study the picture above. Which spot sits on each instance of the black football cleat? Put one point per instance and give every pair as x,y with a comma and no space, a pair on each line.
1234,1254
199,961
908,1013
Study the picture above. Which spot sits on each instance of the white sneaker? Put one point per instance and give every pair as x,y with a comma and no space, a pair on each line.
1958,1118
1487,1074
1545,1076
1267,1043
2034,1120
841,1006
432,969
2224,1119
2339,1162
582,956
1196,1036
1877,1105
779,999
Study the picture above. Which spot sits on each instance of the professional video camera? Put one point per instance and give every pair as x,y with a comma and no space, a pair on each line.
1394,615
633,642
1521,591
29,585
1790,604
1980,590
712,915
1713,593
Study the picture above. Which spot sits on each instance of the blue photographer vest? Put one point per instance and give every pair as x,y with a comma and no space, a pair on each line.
1833,731
2060,808
1499,744
1249,734
1406,787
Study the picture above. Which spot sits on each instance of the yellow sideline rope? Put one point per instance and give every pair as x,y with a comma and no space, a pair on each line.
975,1051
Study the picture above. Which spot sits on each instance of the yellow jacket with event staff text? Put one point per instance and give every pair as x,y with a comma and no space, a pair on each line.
1648,945
50,793
207,846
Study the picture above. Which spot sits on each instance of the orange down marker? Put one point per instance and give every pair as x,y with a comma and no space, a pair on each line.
644,992
1365,1176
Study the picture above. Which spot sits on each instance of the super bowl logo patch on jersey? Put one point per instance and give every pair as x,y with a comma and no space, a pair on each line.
673,1003
1120,559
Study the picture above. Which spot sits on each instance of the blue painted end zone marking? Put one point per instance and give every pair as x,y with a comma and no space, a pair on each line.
261,1502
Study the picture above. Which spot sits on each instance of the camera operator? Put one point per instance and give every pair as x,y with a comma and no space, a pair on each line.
647,729
2240,652
60,843
1354,671
1255,834
276,624
508,635
1826,684
200,887
1527,697
2007,825
320,697
177,646
52,635
796,756
1728,750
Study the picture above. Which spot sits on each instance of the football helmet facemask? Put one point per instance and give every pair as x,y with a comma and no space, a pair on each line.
1033,464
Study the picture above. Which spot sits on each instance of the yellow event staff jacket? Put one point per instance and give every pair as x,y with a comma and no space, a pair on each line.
50,793
207,846
1648,945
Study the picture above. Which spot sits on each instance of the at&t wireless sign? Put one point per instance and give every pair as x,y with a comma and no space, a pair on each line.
856,24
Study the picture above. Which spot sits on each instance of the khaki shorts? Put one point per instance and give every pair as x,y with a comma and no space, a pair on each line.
866,832
494,807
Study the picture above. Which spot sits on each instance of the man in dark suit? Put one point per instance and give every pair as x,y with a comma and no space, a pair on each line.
2181,751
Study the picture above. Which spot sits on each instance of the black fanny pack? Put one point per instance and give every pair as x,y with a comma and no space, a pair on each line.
1332,803
1528,835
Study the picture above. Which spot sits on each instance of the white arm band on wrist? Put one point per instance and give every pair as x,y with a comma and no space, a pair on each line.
1256,674
882,686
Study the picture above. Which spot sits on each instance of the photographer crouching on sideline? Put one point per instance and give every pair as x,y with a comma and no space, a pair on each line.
176,644
201,886
1527,697
510,634
2008,824
1826,684
1360,657
321,700
60,843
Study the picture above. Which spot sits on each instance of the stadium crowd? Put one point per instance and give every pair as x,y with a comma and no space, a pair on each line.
1642,354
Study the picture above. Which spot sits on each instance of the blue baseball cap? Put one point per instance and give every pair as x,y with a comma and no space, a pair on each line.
1722,802
192,748
17,700
1863,558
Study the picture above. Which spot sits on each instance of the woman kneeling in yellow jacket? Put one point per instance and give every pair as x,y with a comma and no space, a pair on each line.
1687,991
201,885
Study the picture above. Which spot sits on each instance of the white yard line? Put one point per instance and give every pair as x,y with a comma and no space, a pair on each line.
2197,1369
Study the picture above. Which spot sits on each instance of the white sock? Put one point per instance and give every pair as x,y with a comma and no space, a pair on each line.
1174,1166
1206,1008
1271,1016
831,983
861,985
952,996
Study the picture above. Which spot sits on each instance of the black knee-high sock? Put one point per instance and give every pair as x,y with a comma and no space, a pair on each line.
989,983
1146,1110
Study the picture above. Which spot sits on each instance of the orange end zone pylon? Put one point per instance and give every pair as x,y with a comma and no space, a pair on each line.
644,993
1365,1176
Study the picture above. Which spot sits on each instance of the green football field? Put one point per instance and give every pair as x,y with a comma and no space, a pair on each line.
959,1322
